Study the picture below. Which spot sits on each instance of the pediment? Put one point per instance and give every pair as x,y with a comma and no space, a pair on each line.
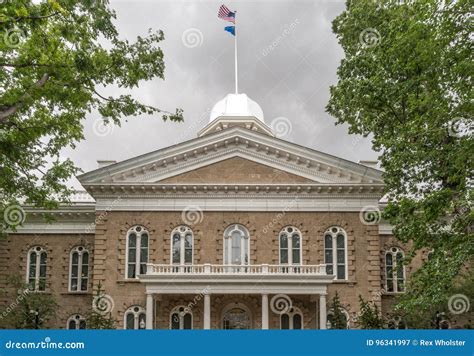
235,155
236,170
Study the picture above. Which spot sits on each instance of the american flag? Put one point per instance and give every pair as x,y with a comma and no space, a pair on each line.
226,14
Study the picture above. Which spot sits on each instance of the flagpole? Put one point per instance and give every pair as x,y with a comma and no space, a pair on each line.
235,55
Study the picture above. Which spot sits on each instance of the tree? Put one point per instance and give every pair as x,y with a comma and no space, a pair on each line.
406,80
100,317
337,317
369,316
27,309
56,58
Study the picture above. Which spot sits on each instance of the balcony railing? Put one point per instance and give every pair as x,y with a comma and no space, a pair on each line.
210,269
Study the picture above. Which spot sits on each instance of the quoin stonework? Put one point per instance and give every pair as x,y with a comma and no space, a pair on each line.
235,229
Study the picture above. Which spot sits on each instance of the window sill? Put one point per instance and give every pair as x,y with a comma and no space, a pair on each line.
393,293
76,293
128,280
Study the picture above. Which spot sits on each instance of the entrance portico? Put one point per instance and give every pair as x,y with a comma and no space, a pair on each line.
274,284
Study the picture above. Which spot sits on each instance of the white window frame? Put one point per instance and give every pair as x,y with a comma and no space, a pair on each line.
290,231
181,313
394,251
339,230
39,251
291,313
182,230
80,250
227,245
136,310
139,230
77,319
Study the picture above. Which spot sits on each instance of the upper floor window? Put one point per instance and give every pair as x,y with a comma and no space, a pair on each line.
293,319
236,245
76,322
290,246
182,245
181,318
135,318
394,270
37,258
335,252
137,251
79,270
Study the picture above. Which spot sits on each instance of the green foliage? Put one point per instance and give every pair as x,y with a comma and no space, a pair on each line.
97,318
369,316
337,318
56,58
27,309
406,80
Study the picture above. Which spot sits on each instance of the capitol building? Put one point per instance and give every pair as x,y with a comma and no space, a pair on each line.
234,229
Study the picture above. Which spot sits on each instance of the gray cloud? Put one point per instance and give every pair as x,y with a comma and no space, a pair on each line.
288,58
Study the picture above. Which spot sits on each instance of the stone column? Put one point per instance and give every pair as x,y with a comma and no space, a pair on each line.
322,311
149,311
207,311
264,311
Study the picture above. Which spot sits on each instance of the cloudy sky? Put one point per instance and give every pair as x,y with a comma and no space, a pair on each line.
287,55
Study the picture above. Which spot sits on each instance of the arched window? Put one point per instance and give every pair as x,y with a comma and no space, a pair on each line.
76,322
181,318
236,317
36,275
396,323
335,252
293,319
290,246
394,270
135,318
137,251
236,245
343,324
182,246
79,270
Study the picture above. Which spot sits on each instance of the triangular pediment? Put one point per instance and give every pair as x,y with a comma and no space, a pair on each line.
235,155
236,170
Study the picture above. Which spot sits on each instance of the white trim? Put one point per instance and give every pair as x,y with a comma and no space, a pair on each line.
244,244
182,314
39,250
136,315
290,245
77,319
79,269
296,311
394,251
137,248
182,233
340,230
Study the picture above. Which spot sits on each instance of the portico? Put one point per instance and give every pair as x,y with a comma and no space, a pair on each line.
274,284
